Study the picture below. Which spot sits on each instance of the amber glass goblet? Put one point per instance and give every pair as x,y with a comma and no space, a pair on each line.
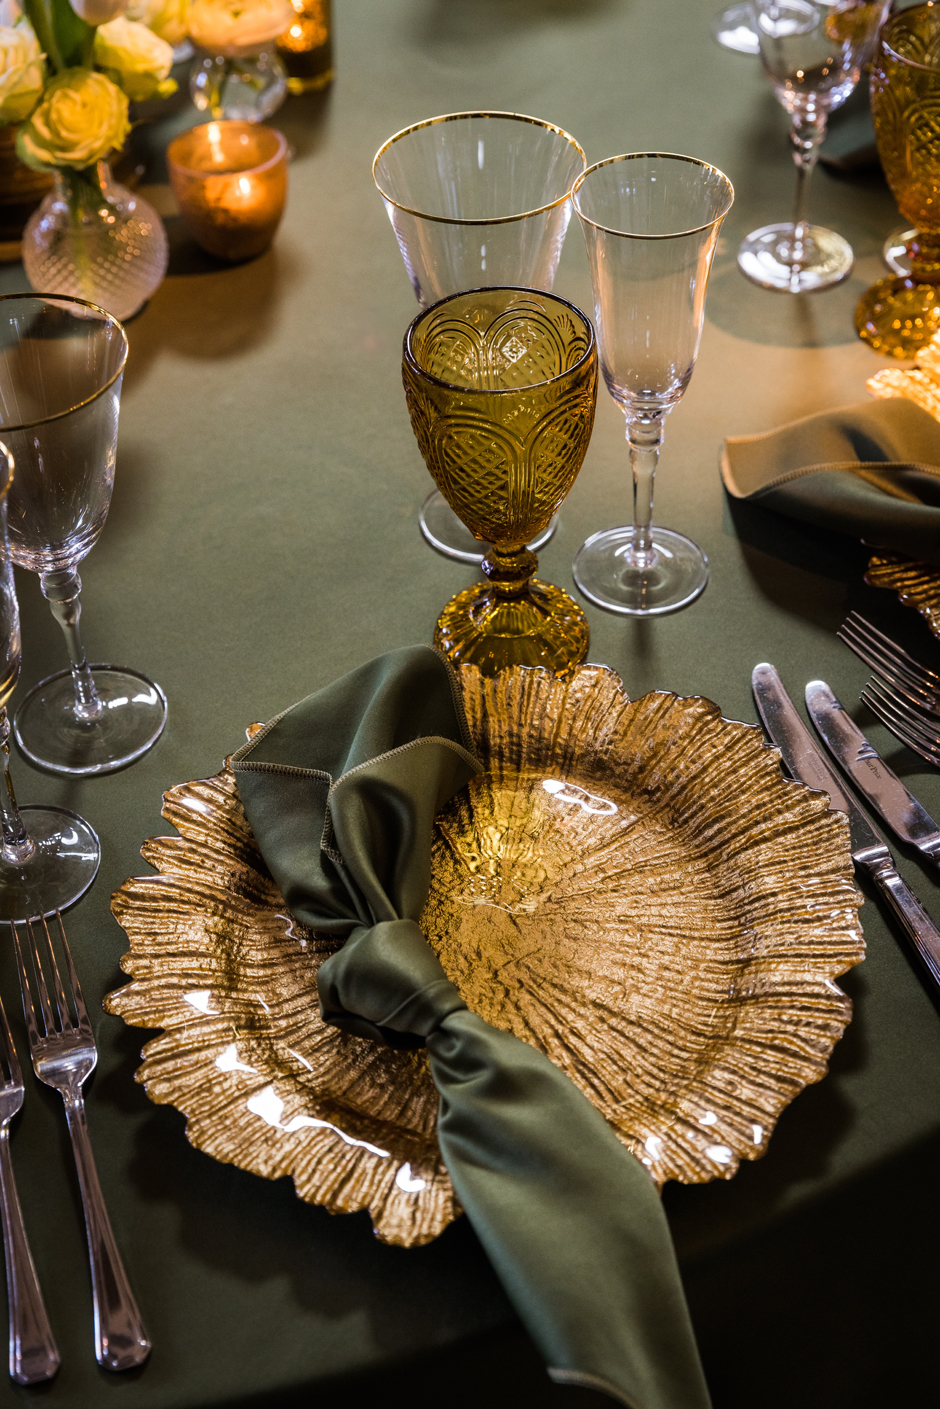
501,387
898,316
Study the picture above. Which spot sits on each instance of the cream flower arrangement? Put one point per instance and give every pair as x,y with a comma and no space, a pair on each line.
234,28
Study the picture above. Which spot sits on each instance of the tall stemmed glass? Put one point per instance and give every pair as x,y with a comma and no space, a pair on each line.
813,54
650,223
476,199
50,865
61,367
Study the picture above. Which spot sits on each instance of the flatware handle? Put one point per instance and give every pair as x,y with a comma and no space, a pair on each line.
34,1355
121,1340
917,924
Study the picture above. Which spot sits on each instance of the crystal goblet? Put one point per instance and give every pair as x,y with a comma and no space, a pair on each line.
650,223
476,198
48,855
501,387
898,316
813,54
61,365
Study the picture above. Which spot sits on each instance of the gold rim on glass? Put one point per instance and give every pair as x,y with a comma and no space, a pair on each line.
457,117
419,371
894,23
85,303
648,156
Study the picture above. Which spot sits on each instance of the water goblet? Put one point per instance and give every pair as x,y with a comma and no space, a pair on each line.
476,198
50,865
61,365
501,387
898,316
650,223
813,54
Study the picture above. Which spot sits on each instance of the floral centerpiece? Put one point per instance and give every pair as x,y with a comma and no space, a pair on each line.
67,75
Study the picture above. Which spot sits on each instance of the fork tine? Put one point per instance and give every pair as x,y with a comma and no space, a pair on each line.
29,1007
889,660
8,1057
62,1003
901,724
930,678
916,721
41,991
81,1011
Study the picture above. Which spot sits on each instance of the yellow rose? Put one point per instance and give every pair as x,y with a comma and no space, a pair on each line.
168,18
135,58
22,72
235,27
82,117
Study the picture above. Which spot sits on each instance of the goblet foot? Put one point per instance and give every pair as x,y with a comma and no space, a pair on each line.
767,258
62,867
449,535
604,573
543,626
51,735
898,316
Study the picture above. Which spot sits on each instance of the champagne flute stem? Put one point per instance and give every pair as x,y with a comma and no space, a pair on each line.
644,439
806,135
17,846
62,591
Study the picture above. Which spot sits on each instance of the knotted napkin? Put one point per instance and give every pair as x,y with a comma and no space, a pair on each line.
341,793
872,471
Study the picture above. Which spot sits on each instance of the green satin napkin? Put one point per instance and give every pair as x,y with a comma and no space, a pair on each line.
341,793
872,471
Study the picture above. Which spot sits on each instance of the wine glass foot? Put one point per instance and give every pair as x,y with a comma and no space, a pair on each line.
60,870
542,627
677,575
449,536
894,251
734,29
50,734
765,257
898,317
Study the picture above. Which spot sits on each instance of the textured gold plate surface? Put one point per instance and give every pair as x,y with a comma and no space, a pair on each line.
633,887
917,584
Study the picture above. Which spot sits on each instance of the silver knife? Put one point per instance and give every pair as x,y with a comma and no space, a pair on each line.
869,850
870,774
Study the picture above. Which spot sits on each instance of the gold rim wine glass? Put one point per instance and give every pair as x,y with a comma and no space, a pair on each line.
898,316
501,385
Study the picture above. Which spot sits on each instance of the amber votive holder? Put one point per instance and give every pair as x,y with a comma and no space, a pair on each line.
230,183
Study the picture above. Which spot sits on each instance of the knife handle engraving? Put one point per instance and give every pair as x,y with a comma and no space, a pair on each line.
917,924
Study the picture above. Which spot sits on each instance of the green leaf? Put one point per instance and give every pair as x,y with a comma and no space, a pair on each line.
75,38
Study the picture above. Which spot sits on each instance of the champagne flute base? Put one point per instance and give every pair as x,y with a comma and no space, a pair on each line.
50,734
60,870
449,536
677,575
898,317
542,627
764,257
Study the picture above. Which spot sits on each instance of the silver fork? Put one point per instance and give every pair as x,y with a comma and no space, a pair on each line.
913,682
34,1355
64,1055
909,724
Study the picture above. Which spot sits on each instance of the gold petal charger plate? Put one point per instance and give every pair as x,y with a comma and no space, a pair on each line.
917,584
632,887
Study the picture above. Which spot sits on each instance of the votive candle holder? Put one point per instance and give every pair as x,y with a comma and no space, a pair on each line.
230,183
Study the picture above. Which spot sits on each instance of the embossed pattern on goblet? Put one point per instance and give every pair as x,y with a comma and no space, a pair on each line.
501,387
899,315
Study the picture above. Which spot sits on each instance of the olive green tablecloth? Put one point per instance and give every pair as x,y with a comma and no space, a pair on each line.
263,541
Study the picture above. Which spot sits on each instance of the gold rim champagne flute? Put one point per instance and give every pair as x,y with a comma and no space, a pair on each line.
501,387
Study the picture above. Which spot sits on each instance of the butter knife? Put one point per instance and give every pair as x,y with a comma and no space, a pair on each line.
869,850
870,774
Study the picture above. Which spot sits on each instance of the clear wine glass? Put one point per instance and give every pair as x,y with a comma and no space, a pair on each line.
650,223
733,29
53,863
813,54
61,366
476,199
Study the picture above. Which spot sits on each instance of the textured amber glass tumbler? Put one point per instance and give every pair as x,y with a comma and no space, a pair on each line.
230,183
898,316
501,387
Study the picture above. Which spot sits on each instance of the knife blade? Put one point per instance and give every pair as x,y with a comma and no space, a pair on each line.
870,774
870,853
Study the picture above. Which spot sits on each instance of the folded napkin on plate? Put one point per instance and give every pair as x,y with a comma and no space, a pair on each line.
872,471
341,793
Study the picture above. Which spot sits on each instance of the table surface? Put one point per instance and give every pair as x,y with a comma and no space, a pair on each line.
263,540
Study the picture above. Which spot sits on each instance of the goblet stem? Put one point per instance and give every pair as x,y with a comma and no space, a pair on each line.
645,438
806,134
924,252
62,591
510,569
17,846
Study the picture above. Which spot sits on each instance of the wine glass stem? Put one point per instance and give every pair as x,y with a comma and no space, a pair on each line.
644,438
806,134
17,846
62,591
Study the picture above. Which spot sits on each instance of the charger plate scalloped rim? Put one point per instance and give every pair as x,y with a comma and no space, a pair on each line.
665,919
917,584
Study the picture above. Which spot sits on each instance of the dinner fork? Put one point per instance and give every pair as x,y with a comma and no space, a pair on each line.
911,680
909,724
34,1355
64,1055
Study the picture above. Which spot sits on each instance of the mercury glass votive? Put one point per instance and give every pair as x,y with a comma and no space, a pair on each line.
230,183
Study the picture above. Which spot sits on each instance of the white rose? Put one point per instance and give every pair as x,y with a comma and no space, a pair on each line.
168,18
235,27
22,72
134,58
98,11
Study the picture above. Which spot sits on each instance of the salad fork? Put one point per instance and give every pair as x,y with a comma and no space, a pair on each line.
34,1355
908,723
64,1055
913,681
